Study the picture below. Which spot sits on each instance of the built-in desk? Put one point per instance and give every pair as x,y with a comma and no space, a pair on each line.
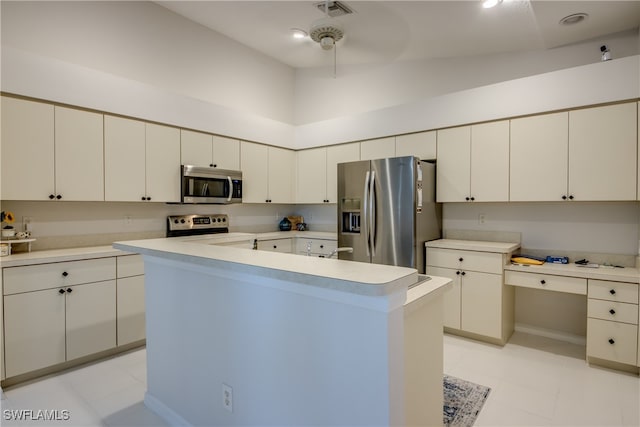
613,336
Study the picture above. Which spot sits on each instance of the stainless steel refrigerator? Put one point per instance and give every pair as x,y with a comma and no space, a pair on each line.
387,211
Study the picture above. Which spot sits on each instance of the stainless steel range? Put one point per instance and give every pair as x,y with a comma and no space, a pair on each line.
195,225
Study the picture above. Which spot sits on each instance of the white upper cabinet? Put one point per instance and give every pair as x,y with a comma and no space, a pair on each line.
454,165
539,158
603,153
268,173
162,163
422,145
202,149
124,159
282,167
27,150
638,197
312,176
142,161
318,171
79,158
342,153
255,171
473,163
490,162
62,149
378,148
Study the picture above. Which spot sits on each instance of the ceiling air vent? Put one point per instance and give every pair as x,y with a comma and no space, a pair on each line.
336,8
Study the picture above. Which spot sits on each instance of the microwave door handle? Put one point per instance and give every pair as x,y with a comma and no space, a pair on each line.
230,189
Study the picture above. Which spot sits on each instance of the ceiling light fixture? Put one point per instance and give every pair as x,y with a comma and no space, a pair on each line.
297,33
487,4
573,19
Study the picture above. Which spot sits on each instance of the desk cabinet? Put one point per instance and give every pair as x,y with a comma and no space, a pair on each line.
612,324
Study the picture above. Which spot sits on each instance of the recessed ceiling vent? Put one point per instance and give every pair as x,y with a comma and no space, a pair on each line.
336,8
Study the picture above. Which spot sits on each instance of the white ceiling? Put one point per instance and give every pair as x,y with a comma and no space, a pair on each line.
385,31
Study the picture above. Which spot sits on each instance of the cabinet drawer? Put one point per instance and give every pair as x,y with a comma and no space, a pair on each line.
317,247
614,311
275,245
612,341
613,291
45,276
572,285
130,265
486,262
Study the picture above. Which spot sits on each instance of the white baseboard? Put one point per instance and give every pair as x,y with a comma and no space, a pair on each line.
162,410
551,333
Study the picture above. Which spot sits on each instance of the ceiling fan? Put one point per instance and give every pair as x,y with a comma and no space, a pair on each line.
327,31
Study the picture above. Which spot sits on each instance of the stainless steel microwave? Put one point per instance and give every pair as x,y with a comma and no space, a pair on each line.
210,185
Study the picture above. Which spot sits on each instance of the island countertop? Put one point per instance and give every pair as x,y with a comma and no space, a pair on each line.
347,276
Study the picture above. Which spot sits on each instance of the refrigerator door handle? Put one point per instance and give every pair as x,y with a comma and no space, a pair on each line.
365,213
372,213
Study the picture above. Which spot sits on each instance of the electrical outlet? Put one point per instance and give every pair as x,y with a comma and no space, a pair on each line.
227,397
482,218
26,223
128,220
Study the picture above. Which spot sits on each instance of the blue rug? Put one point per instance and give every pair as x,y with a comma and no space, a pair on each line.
463,401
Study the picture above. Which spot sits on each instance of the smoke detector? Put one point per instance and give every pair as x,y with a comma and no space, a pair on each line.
333,8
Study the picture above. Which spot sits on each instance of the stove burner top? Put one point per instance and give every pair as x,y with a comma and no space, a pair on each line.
193,225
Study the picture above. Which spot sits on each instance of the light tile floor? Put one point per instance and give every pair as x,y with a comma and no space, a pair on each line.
534,382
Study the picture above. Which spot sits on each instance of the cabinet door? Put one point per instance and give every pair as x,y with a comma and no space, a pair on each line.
481,301
226,153
130,303
196,148
162,162
378,148
312,176
422,145
90,318
339,154
451,297
124,159
27,150
490,162
454,164
638,187
282,166
603,153
79,148
34,331
255,170
539,158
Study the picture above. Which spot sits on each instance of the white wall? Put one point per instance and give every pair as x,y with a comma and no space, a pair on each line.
610,227
362,88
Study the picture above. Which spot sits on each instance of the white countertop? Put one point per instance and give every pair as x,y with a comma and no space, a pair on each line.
74,254
627,274
473,245
347,276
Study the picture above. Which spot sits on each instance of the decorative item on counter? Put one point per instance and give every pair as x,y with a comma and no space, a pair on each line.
585,263
285,224
302,226
295,220
527,260
7,230
4,249
557,259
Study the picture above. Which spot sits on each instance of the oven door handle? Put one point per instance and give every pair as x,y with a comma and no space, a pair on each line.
230,189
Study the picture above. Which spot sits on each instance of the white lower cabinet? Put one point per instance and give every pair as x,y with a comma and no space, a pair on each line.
315,247
276,245
478,302
612,324
130,299
50,326
64,311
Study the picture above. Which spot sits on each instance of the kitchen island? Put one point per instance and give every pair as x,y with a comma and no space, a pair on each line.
242,337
